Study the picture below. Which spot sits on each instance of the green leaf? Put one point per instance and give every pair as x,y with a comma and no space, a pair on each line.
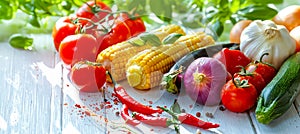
136,41
254,12
66,5
21,41
175,108
6,11
162,9
217,27
268,1
150,38
171,38
33,20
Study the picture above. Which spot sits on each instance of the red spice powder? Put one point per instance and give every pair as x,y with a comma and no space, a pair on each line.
77,105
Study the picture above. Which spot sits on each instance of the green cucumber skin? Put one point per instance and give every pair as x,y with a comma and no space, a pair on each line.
278,96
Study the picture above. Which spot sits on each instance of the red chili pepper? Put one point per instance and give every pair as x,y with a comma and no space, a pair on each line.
189,119
132,104
154,121
127,118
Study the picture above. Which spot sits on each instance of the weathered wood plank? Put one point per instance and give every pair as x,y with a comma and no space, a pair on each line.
25,93
81,112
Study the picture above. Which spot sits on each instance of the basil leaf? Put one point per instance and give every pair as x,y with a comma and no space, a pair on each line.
21,41
162,9
175,108
253,12
33,20
218,27
150,38
170,39
136,41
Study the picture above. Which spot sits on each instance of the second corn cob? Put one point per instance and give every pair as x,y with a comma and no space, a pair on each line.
115,57
145,70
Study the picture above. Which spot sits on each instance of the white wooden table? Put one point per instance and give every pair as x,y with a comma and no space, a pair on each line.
37,97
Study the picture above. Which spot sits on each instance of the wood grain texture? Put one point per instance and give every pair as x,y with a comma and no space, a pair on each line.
37,97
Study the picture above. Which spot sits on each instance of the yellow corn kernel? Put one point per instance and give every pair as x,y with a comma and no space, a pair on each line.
115,57
146,72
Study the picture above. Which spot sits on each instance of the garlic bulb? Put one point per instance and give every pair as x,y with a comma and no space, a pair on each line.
266,37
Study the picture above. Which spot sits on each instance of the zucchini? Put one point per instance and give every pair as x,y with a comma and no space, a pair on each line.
278,96
171,81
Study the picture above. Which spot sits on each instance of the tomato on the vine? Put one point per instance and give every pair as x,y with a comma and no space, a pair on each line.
266,70
65,26
238,95
119,32
93,11
133,22
252,77
123,28
78,47
88,76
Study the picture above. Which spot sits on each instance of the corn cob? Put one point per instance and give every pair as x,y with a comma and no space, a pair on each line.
145,70
115,57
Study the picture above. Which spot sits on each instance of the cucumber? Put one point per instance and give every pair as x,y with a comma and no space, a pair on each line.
171,81
278,96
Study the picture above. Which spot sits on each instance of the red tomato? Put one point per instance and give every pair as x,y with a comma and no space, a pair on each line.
92,11
252,77
65,26
232,59
135,24
123,29
78,47
266,70
88,76
239,96
119,33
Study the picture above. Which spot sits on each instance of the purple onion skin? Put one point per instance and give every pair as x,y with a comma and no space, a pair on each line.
209,90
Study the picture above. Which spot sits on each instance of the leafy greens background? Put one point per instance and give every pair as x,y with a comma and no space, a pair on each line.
39,16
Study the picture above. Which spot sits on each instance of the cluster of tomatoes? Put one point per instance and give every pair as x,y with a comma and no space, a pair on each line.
81,37
246,79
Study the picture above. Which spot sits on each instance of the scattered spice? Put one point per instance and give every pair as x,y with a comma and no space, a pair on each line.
117,113
182,110
88,113
222,108
77,105
198,131
191,106
198,114
150,102
210,115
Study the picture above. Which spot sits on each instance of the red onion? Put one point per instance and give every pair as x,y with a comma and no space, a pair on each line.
204,79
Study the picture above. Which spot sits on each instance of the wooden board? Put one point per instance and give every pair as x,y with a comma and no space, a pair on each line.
37,97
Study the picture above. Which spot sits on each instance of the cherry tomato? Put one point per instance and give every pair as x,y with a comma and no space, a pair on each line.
65,26
78,47
238,96
232,59
92,11
254,78
88,76
266,70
